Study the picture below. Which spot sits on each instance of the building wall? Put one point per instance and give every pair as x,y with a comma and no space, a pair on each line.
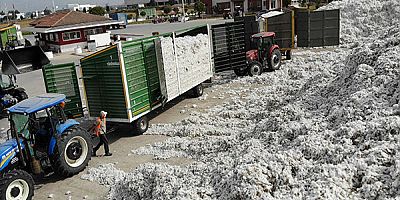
56,42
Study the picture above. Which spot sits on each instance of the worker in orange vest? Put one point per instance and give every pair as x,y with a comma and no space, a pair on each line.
100,130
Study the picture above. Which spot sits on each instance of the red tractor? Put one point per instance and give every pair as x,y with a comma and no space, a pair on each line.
266,56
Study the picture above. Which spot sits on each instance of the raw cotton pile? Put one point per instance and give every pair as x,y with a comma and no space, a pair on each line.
186,66
363,21
325,126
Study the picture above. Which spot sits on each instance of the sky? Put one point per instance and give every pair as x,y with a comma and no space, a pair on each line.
33,5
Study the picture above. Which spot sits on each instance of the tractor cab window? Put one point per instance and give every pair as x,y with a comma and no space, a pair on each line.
5,81
21,124
267,41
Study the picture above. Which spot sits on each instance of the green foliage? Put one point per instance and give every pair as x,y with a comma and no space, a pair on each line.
143,13
98,10
286,3
130,16
199,7
176,9
47,11
167,9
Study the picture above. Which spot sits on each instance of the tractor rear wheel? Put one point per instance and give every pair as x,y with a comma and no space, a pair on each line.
141,125
255,68
73,152
274,62
21,95
240,72
17,184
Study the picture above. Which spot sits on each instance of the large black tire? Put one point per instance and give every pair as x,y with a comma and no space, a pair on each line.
255,68
141,125
17,184
73,152
21,95
275,60
198,90
240,72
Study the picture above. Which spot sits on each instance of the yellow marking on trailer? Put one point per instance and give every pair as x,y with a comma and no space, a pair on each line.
141,110
99,52
6,28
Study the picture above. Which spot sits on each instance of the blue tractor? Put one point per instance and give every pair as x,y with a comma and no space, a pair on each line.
43,141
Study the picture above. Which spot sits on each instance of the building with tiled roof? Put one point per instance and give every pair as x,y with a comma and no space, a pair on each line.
63,31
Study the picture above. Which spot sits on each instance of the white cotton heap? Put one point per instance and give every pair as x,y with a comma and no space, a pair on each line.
324,126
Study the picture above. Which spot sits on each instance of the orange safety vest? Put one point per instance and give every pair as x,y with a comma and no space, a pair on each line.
100,127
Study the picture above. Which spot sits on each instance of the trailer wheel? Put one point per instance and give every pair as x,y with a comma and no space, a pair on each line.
198,90
17,184
240,72
274,61
73,152
288,55
255,68
141,125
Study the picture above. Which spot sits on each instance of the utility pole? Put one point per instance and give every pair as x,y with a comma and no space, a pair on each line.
54,7
184,13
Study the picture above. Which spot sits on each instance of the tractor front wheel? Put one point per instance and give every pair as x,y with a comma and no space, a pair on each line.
274,62
141,125
73,152
17,184
255,68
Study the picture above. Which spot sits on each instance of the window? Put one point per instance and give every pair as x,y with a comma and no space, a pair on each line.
273,4
71,35
51,35
47,37
56,37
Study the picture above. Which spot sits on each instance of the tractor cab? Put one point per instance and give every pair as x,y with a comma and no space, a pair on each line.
265,55
43,141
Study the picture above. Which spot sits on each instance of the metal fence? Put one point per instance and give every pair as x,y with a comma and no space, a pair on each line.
283,26
319,28
228,42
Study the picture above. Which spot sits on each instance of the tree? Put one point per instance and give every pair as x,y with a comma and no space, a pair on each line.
17,12
199,7
2,13
303,3
47,11
108,9
98,10
143,13
84,10
167,9
176,10
286,3
130,16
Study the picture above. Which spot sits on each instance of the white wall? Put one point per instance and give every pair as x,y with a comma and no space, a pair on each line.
67,47
102,39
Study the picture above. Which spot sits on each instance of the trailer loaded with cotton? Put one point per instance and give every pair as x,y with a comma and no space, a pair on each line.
132,78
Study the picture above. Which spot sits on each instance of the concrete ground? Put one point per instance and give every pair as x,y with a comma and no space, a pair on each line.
124,139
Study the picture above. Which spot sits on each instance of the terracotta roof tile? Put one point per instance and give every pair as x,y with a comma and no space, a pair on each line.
63,18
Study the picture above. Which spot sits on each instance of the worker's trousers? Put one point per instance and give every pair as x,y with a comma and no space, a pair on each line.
103,140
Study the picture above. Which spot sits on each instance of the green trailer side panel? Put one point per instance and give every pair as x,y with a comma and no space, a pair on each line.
150,61
62,79
104,89
136,77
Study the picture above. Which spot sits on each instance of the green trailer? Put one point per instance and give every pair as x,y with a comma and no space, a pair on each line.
7,34
124,79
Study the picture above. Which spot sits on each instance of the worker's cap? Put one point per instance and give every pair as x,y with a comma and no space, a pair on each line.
103,113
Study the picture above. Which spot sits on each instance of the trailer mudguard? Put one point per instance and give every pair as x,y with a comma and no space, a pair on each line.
60,130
